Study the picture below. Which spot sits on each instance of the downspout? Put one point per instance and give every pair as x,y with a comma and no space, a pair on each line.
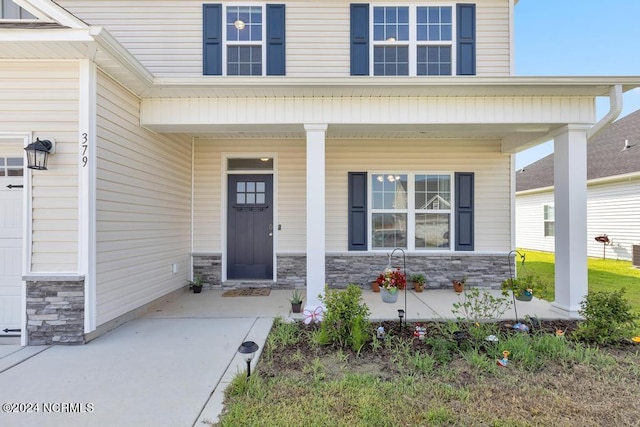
615,108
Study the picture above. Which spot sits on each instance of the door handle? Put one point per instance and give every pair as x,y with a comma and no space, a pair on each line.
270,234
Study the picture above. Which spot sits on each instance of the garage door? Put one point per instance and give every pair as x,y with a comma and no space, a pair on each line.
11,171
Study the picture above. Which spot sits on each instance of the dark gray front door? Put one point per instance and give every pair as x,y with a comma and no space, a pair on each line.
250,227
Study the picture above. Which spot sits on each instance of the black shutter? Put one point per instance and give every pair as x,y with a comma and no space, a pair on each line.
357,211
464,211
359,39
212,39
466,21
275,40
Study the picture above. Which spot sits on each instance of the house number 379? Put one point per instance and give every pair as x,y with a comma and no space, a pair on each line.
85,147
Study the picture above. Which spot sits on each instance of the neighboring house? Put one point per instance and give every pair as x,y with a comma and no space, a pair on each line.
613,195
285,144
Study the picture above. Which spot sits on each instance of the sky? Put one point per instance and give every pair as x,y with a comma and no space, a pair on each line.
577,38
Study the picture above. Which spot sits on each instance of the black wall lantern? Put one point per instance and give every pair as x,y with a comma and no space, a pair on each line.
38,153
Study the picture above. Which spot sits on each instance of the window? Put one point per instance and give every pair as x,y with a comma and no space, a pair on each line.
10,10
416,205
415,40
11,166
244,37
549,221
243,40
250,193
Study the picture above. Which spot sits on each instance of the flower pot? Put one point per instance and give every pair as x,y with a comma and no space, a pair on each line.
418,287
197,289
296,307
389,296
523,296
458,286
375,287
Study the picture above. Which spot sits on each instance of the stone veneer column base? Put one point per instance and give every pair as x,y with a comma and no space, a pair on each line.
55,311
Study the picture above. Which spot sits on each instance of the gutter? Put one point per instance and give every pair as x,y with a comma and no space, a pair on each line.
615,108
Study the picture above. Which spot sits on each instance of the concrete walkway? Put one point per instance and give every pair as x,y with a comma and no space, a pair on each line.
170,367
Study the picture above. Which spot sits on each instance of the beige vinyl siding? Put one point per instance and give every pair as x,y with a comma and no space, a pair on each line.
42,97
492,210
289,186
143,206
530,221
166,35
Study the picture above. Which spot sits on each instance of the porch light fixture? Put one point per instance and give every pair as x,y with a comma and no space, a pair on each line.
239,24
247,349
38,153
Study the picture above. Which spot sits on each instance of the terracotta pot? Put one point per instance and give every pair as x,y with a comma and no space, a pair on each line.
418,287
375,287
458,286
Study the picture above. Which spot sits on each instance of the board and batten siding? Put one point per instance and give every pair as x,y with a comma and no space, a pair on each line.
166,35
143,206
492,206
613,208
42,97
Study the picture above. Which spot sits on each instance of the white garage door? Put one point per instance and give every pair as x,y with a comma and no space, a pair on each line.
11,171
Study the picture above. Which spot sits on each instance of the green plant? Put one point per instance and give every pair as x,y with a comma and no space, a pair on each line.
607,318
529,284
296,297
479,306
346,318
418,278
196,282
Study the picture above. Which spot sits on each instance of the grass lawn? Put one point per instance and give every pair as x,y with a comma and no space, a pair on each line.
604,275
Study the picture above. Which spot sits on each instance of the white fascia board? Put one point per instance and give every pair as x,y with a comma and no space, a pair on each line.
48,11
111,46
46,35
596,181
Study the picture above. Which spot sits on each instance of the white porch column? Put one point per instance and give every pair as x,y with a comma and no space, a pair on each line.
315,213
570,183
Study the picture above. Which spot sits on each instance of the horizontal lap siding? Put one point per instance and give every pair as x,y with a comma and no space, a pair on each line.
42,97
290,185
492,210
492,203
166,36
530,222
143,206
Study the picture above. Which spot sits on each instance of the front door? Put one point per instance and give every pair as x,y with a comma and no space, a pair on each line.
11,172
250,227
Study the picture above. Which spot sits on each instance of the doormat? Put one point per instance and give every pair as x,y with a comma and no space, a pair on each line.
247,292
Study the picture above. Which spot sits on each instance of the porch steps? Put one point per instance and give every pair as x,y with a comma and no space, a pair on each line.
244,284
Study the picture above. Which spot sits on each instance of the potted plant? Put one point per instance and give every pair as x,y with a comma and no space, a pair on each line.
196,284
418,282
390,281
524,287
296,301
458,285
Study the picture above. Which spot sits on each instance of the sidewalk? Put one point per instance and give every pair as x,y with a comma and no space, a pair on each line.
170,367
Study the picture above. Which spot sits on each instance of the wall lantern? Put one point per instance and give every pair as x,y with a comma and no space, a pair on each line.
38,153
247,349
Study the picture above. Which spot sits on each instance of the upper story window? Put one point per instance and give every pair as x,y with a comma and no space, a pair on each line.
243,40
10,10
413,40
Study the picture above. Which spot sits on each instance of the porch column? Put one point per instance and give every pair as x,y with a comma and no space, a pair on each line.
315,213
570,183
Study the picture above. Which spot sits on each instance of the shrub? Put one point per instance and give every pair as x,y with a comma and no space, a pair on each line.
346,319
479,306
607,318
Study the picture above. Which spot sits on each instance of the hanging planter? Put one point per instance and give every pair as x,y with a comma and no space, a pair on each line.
389,295
524,295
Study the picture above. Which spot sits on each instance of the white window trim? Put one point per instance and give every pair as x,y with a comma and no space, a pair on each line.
262,42
413,43
410,211
547,220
